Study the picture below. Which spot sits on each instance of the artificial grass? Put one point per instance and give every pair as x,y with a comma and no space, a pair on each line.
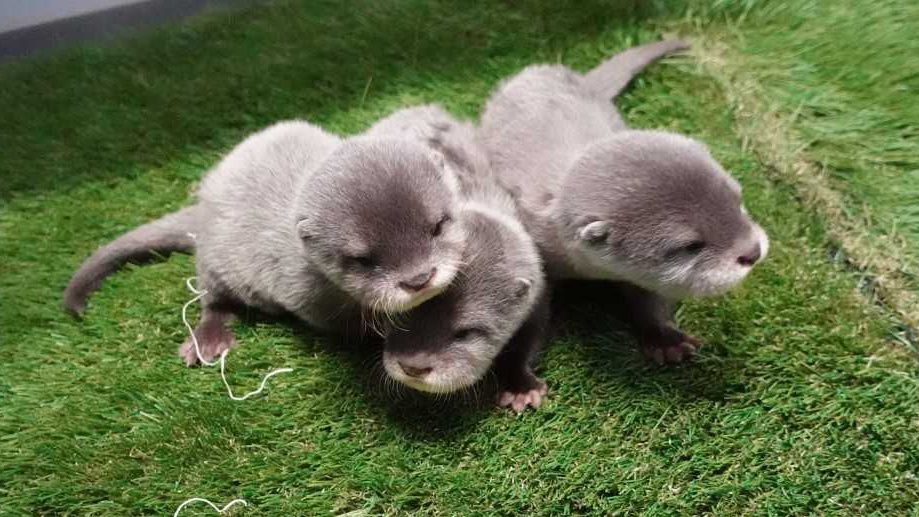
824,93
851,76
798,405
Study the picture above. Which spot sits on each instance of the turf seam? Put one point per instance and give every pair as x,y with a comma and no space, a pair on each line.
769,133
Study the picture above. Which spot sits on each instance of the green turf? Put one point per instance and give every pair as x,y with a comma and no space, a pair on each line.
850,71
798,405
845,75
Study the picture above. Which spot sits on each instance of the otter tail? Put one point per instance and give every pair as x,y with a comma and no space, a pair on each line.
610,77
172,232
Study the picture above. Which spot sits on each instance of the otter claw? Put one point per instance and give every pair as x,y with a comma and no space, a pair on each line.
683,350
519,400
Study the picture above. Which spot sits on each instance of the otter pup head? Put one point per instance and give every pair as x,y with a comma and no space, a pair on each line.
377,218
656,209
450,342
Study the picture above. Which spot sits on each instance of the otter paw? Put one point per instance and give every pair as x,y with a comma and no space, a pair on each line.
518,400
673,351
211,345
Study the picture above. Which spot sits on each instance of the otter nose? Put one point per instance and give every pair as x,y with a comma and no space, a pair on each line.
418,282
414,371
750,257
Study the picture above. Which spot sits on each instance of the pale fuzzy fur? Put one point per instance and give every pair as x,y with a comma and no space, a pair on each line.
498,284
276,215
606,202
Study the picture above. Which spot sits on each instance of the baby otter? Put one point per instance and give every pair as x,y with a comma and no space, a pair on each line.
298,220
648,208
495,312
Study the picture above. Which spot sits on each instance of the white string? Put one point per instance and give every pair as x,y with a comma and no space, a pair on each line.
191,331
212,505
261,387
223,356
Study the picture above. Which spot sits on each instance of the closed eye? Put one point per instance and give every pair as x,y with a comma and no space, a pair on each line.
469,333
362,261
690,248
694,247
439,227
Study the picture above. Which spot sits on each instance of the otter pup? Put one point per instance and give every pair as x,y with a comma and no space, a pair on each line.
495,313
298,220
648,208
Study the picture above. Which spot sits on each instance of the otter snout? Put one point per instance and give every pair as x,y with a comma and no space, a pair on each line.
756,251
416,371
419,281
722,270
751,257
444,371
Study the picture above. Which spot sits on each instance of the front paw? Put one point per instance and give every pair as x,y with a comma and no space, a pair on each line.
527,394
673,347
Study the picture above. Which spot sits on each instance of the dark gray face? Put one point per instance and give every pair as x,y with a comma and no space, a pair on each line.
449,342
378,219
656,209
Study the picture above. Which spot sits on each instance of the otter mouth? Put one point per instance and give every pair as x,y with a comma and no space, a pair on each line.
713,291
432,388
400,301
416,299
403,300
719,282
439,380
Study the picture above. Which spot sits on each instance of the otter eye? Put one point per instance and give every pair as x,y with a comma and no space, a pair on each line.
364,261
467,333
690,248
439,227
694,247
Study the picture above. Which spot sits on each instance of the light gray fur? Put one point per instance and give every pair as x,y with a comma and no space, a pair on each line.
281,218
291,206
607,80
607,202
173,232
455,337
456,142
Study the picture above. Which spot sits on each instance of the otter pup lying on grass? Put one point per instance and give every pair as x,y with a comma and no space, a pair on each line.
298,220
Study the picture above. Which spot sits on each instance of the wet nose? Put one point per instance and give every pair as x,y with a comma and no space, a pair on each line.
750,257
414,371
418,282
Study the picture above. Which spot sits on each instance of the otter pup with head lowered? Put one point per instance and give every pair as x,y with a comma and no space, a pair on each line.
297,220
495,312
648,208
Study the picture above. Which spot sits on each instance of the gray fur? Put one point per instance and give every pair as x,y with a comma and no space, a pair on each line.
649,209
455,141
174,232
606,202
451,341
283,215
607,80
459,333
308,206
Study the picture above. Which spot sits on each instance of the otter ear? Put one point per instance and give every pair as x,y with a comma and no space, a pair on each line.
595,232
522,286
303,229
